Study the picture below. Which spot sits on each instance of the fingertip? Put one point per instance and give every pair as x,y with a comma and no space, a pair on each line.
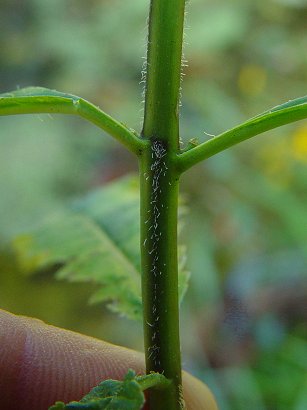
197,395
40,364
12,340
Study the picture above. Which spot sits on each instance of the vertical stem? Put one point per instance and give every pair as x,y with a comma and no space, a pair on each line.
159,197
163,71
159,201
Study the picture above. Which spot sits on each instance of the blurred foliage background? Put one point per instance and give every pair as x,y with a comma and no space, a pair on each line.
244,327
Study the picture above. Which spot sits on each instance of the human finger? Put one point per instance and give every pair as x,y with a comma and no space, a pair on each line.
41,364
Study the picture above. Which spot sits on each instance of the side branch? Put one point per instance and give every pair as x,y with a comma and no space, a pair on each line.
36,100
281,115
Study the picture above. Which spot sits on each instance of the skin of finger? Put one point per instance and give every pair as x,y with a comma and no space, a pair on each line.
41,364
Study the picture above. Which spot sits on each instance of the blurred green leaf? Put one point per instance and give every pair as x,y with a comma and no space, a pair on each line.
96,240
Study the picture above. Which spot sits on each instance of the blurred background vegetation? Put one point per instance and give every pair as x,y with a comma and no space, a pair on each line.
244,318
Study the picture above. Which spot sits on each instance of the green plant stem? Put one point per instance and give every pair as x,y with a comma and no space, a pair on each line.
159,197
71,104
164,71
255,126
159,201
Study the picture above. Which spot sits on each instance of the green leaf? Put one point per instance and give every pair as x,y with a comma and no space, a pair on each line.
95,240
115,394
33,100
289,104
283,114
35,92
59,405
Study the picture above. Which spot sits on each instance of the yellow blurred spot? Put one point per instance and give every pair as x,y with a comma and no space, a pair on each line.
275,162
252,79
299,144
